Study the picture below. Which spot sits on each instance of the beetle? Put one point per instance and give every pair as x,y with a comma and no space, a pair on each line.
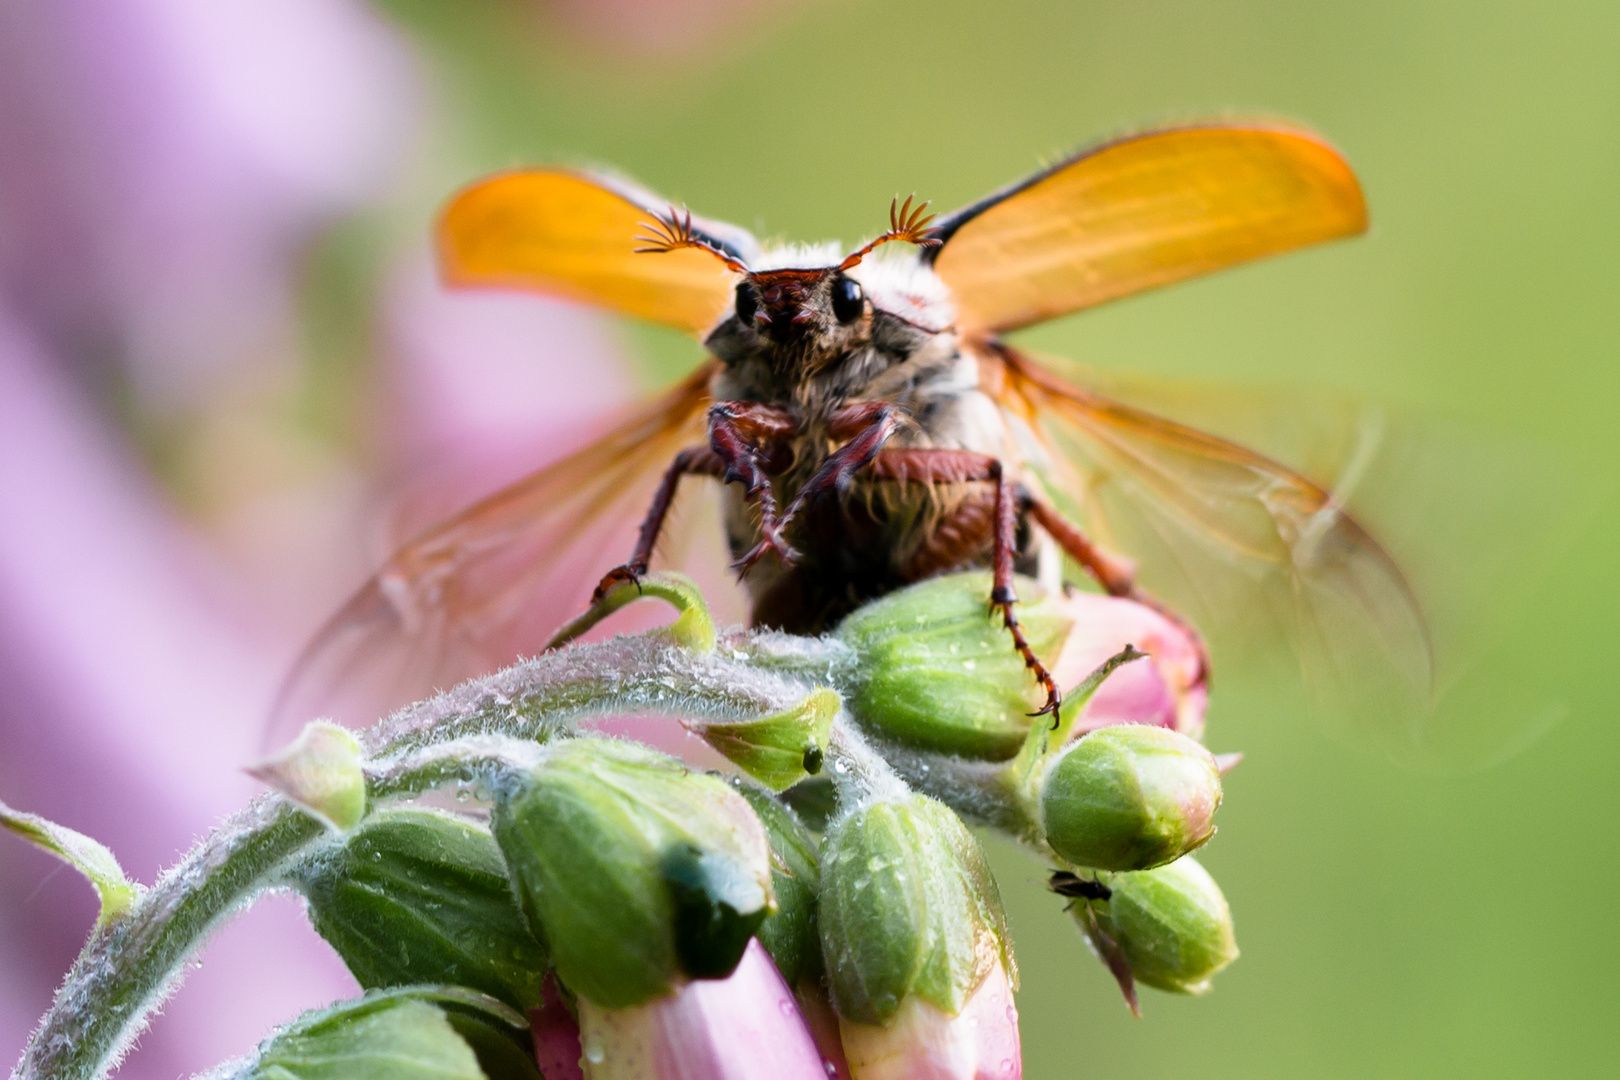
870,421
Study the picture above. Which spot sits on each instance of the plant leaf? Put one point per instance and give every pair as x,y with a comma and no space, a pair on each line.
87,856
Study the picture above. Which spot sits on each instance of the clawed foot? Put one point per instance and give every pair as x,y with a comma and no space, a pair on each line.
784,551
619,575
1002,600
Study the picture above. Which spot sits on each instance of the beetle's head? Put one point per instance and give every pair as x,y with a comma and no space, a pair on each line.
794,306
804,307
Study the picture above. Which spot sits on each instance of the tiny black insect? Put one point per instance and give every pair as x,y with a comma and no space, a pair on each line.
1066,884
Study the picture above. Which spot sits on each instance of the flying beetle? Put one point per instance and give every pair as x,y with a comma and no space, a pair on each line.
868,420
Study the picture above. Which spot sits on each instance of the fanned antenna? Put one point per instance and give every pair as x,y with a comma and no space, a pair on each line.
906,223
673,232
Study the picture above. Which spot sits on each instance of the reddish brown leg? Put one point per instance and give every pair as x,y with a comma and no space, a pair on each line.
736,431
962,466
867,427
699,461
1114,574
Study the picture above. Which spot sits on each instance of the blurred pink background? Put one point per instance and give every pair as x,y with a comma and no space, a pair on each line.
172,526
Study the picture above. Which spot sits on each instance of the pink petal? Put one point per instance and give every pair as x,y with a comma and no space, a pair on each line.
744,1027
1167,689
925,1043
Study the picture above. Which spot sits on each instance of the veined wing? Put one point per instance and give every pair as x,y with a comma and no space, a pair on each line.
1138,213
1228,535
490,584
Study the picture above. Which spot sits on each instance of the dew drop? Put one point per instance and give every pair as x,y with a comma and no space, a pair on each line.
786,1006
1012,1015
1006,1066
832,1070
595,1051
462,795
969,664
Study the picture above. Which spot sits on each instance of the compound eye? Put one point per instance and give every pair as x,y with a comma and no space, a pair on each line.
747,303
848,301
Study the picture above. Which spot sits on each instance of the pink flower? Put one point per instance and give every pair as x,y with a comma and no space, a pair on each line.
923,1042
744,1027
1167,690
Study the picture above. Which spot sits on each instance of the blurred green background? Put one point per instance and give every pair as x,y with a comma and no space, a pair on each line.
1392,923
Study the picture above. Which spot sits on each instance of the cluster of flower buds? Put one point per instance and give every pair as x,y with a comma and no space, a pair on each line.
1117,792
653,920
603,910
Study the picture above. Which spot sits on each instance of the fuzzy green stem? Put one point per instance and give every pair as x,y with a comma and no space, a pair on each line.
128,966
538,698
693,627
132,963
859,773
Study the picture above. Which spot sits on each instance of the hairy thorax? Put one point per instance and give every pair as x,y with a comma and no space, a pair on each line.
876,535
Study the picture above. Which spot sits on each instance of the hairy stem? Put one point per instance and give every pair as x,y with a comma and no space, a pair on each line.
127,968
539,698
479,732
131,964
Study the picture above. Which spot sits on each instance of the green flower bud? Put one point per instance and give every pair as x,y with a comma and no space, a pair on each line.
789,934
908,908
778,750
1130,797
417,896
320,771
1170,926
935,669
632,868
410,1034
